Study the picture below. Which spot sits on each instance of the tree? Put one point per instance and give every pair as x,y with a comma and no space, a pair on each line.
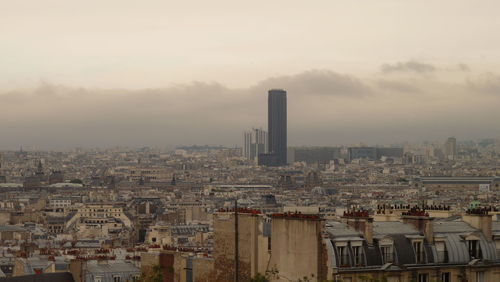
259,278
76,181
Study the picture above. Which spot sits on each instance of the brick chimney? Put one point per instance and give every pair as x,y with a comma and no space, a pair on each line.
480,218
361,221
420,219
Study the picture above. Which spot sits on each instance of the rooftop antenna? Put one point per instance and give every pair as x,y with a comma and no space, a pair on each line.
236,243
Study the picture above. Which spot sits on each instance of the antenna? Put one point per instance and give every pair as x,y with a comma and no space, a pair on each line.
236,245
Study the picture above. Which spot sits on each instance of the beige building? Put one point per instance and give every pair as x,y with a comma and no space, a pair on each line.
253,244
415,248
99,221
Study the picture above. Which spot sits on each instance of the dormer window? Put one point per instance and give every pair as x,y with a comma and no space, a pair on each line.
442,254
419,252
474,249
343,256
357,254
497,245
387,253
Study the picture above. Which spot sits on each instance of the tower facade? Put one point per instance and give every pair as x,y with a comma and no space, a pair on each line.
255,143
450,148
277,126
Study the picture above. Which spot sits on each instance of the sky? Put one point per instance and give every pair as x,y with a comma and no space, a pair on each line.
154,73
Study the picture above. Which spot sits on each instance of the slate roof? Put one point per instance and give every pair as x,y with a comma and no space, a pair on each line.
339,229
452,227
453,232
393,227
6,228
117,267
44,277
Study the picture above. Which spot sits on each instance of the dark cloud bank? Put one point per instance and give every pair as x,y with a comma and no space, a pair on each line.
325,108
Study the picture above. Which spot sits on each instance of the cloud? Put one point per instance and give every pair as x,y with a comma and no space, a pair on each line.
318,82
409,66
398,86
487,83
463,67
324,108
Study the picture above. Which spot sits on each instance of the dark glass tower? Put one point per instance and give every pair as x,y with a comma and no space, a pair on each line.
276,126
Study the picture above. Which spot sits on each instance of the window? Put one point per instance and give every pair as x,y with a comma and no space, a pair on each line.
343,256
387,254
98,279
358,256
419,254
423,277
116,278
474,249
442,254
445,277
480,276
497,245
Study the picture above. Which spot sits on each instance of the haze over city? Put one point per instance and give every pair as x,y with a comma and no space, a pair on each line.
156,74
249,141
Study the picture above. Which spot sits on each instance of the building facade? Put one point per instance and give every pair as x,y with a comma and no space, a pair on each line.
450,148
255,143
277,126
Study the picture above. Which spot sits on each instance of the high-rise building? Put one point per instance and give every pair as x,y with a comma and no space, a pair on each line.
255,143
450,148
374,153
313,155
277,126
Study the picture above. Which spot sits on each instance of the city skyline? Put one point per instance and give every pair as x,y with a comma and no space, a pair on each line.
398,107
165,74
257,141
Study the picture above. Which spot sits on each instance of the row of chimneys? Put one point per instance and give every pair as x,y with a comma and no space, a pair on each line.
423,223
407,207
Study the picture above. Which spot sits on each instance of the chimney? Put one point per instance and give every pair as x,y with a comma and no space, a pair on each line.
361,221
420,219
368,231
77,269
479,218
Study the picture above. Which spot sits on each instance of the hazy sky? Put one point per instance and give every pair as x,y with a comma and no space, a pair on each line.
101,73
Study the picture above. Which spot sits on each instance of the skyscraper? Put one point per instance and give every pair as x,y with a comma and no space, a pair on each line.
255,143
276,119
450,148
